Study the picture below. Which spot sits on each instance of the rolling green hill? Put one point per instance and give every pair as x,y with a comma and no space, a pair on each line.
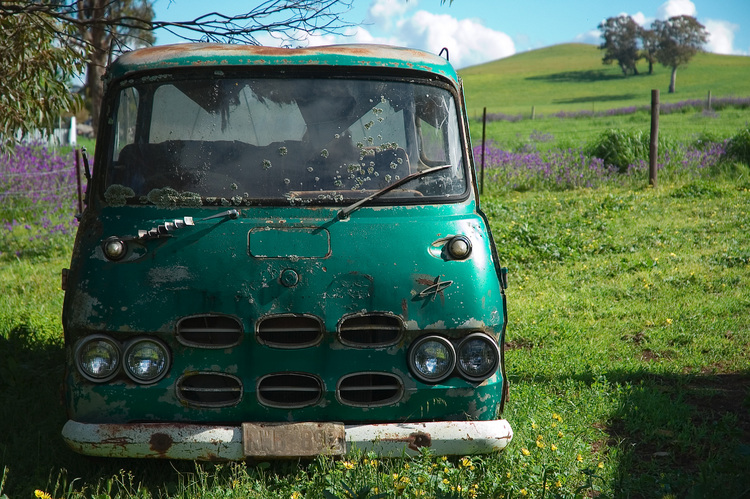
571,77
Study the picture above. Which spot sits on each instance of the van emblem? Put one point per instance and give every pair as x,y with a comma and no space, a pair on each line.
433,289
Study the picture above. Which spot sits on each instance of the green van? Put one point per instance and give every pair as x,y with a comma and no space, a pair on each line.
282,255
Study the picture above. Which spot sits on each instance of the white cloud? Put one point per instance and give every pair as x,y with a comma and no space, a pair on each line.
382,11
593,36
468,41
720,36
640,19
672,8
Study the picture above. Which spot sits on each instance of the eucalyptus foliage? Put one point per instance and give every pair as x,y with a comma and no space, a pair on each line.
34,90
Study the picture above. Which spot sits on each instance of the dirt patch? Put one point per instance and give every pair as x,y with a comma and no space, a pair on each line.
519,344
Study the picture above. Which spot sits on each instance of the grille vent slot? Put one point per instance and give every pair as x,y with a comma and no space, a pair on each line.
370,330
209,389
289,390
370,389
290,331
209,331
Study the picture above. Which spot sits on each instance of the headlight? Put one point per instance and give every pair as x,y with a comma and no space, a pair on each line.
432,359
98,358
478,357
146,360
459,247
114,248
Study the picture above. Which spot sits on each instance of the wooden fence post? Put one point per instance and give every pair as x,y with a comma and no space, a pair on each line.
653,150
484,129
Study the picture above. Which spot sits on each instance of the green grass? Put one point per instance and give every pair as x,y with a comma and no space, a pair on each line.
628,343
629,347
571,77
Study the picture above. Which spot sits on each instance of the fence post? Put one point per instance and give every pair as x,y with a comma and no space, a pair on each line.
533,112
708,101
78,180
653,149
484,129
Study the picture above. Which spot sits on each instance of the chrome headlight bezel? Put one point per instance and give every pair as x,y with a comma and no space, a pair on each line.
132,349
491,367
417,348
114,248
108,344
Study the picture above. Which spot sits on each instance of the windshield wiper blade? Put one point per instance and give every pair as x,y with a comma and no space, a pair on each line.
345,212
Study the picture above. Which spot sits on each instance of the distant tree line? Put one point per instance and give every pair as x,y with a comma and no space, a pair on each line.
671,43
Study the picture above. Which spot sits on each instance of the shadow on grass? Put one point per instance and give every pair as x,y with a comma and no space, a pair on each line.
675,435
589,76
596,98
32,415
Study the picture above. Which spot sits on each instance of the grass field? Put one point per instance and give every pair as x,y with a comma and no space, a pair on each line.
628,354
628,342
571,77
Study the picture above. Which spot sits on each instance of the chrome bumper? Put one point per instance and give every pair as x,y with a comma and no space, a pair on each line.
225,443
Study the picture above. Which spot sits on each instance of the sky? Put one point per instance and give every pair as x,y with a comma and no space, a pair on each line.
479,31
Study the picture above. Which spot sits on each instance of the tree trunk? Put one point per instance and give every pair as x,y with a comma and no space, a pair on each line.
673,80
99,40
650,67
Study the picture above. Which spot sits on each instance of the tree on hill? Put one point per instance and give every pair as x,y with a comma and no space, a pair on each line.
91,32
649,46
678,39
621,43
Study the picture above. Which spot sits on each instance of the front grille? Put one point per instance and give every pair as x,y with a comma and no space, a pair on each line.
209,389
370,330
209,331
370,389
290,331
289,390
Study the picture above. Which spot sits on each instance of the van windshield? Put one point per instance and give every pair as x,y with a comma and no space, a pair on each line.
245,141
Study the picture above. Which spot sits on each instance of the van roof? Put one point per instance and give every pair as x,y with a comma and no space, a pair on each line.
223,55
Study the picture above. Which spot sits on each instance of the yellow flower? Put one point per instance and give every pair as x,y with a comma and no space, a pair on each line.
525,451
395,476
421,479
558,484
446,481
523,492
404,479
41,494
539,444
465,462
579,458
534,426
406,466
560,434
600,465
669,321
553,447
348,465
296,495
556,416
446,470
508,475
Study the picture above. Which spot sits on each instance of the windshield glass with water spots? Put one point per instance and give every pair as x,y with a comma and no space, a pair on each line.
244,141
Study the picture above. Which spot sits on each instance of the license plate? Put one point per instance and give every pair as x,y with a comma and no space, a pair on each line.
293,439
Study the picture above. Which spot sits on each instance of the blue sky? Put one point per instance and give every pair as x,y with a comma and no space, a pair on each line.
477,31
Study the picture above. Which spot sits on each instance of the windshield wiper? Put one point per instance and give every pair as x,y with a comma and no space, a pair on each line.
345,212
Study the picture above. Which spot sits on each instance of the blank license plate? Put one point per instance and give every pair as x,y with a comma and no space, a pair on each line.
293,439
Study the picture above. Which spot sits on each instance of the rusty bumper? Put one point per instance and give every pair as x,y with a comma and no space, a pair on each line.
227,443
